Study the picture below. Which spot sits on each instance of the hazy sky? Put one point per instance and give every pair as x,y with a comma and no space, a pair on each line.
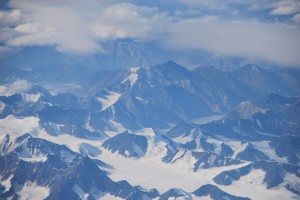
267,30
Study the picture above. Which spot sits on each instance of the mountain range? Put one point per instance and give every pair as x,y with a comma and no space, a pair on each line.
152,132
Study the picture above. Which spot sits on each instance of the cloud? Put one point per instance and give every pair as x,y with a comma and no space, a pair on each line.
81,26
221,5
130,21
77,25
271,42
296,18
17,86
275,7
6,33
286,7
64,23
32,34
10,17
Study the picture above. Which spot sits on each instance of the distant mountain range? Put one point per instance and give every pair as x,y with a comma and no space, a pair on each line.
155,132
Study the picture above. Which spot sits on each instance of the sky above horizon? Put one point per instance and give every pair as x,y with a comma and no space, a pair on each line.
267,30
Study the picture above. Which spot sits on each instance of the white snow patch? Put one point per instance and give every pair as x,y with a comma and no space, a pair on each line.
236,146
187,162
67,156
141,99
156,149
258,123
252,186
30,98
151,172
71,142
186,196
207,119
246,109
31,191
109,99
16,127
119,128
97,194
183,140
292,180
34,159
133,77
134,69
6,183
19,126
264,146
178,155
87,149
138,150
144,132
217,144
87,125
110,197
82,195
201,198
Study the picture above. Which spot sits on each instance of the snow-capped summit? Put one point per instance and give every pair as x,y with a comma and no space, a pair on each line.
245,110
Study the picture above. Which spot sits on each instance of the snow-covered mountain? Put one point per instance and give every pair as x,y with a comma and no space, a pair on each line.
160,132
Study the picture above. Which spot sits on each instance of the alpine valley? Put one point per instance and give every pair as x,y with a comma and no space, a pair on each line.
156,132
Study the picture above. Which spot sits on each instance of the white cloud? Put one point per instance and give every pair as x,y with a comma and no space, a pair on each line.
32,34
286,7
32,28
212,4
221,5
17,86
80,26
7,33
275,43
296,18
130,21
75,25
10,17
64,23
276,7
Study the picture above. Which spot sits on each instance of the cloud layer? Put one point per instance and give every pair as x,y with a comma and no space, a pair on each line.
215,26
275,43
17,86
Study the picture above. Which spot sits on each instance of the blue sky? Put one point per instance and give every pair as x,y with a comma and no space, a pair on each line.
267,30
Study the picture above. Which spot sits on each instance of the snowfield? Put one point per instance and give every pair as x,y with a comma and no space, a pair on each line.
108,100
31,191
148,171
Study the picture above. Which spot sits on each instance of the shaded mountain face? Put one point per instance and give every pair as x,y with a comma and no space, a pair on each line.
60,172
128,145
265,120
157,96
215,193
195,134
